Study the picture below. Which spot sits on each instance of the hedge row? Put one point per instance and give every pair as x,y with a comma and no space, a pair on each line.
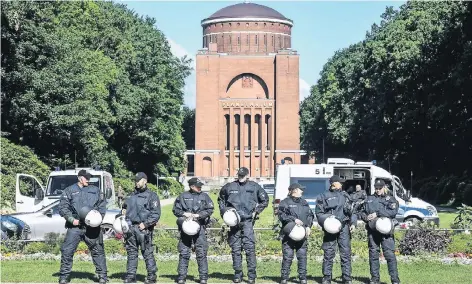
407,243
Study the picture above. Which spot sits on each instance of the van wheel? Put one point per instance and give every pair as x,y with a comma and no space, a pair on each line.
413,221
108,232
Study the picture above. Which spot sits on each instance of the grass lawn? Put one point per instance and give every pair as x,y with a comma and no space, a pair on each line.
222,272
446,219
168,219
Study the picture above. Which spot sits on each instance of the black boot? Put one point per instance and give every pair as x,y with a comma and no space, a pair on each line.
63,281
251,281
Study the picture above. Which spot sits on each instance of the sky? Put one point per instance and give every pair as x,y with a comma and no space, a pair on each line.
320,29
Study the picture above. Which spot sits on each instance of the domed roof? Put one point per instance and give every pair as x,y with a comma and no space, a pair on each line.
247,10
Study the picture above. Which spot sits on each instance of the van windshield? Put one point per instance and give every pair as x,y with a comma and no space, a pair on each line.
57,184
314,187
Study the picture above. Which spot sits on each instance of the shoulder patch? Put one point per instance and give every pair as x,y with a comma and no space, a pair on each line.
393,205
155,203
387,198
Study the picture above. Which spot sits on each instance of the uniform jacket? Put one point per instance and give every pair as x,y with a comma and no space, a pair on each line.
336,203
292,208
196,203
74,197
143,207
246,198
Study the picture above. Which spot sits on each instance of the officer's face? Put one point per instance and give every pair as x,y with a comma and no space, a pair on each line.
379,191
297,192
196,188
83,181
242,178
336,185
141,183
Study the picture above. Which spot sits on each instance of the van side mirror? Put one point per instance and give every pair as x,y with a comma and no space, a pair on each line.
109,193
38,194
49,213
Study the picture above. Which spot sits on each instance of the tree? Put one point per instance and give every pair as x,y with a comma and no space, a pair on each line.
92,78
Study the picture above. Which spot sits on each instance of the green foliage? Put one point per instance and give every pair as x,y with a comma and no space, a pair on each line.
464,218
92,78
15,160
461,243
188,126
36,247
423,239
399,97
174,187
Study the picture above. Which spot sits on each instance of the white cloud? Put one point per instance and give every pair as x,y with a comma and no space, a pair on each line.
190,82
304,89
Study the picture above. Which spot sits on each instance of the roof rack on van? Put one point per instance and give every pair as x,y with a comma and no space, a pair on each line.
364,163
340,161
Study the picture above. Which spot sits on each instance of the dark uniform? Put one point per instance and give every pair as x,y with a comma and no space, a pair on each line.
337,203
249,199
357,199
73,201
142,206
290,209
195,203
383,206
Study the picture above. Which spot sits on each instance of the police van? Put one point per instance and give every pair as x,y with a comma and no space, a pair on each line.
315,177
30,195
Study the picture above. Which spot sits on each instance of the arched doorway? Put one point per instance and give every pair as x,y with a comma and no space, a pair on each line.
207,167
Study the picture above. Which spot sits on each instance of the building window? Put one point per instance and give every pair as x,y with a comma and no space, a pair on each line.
273,41
239,41
229,39
265,40
247,39
257,42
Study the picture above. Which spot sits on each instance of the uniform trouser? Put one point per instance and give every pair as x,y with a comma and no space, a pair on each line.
143,239
290,246
343,240
388,247
243,233
201,249
93,238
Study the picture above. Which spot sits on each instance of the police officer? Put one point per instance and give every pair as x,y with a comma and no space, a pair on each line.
337,203
295,209
76,202
143,210
249,199
198,206
381,204
359,194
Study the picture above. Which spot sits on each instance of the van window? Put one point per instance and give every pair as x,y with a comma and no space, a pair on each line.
57,184
314,187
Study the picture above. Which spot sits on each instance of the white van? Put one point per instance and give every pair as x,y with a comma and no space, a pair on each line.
316,180
31,196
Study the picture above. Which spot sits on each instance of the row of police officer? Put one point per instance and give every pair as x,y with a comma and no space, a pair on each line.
240,202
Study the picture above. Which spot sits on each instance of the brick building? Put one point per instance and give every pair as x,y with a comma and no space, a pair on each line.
247,100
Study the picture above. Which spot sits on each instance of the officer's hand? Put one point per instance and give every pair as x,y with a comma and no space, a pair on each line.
308,232
372,216
141,226
188,215
298,222
195,216
352,228
76,222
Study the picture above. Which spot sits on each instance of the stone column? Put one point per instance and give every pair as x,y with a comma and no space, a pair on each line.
231,141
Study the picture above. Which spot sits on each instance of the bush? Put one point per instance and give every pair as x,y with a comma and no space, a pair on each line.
461,243
114,247
18,159
174,187
424,239
36,248
464,218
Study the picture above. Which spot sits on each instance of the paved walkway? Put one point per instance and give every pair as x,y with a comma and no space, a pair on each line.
167,201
